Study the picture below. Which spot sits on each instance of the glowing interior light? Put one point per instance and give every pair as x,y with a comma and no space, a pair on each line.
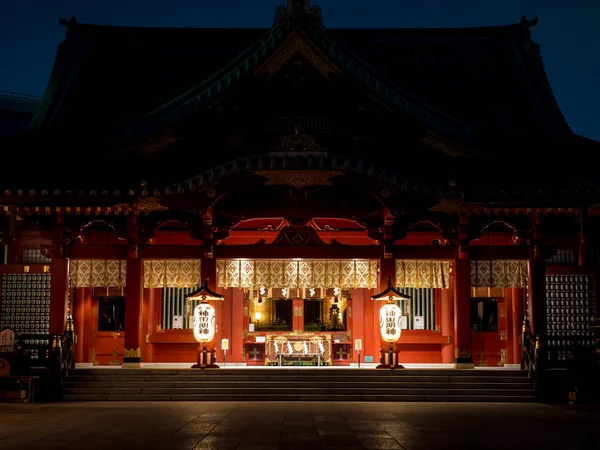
312,292
262,290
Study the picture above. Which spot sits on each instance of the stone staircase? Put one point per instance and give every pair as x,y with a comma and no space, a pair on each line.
298,384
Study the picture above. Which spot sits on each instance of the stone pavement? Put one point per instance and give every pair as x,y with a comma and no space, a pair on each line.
297,425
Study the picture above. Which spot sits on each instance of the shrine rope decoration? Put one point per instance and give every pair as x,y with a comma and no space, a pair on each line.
294,274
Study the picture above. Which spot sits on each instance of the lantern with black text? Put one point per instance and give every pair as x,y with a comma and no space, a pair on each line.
390,324
204,324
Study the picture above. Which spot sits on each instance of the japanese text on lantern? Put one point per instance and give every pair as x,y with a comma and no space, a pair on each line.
389,322
204,324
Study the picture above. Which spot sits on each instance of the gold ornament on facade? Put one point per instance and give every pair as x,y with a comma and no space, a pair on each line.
298,178
443,147
448,205
144,205
463,353
133,353
298,43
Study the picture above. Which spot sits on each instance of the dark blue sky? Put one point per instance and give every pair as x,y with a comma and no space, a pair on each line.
568,32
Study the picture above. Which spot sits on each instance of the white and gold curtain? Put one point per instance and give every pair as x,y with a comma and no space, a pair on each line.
171,273
498,273
97,272
418,273
281,273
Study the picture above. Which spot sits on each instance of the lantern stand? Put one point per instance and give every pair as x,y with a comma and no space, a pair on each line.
204,334
390,320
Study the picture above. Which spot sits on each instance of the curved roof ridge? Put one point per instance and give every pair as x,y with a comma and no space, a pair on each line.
239,62
548,100
437,30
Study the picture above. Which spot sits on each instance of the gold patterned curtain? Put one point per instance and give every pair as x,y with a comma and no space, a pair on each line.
316,273
498,273
417,273
97,272
176,273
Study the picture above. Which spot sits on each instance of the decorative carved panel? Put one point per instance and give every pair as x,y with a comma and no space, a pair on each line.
298,178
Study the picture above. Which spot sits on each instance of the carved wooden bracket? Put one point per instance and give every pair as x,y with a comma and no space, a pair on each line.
298,235
54,250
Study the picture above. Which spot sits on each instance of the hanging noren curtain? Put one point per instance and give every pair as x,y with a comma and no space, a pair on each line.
316,273
509,273
420,273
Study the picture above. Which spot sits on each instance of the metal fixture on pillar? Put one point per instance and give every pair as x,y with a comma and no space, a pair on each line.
390,319
205,324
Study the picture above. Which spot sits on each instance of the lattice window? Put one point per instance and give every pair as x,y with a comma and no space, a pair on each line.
174,306
420,305
570,306
34,256
25,304
562,256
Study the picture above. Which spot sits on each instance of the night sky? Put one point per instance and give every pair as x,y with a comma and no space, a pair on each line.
568,32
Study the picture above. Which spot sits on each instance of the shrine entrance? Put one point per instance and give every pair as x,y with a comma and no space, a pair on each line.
495,322
298,327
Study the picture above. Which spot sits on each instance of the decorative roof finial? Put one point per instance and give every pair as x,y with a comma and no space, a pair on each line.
298,4
298,11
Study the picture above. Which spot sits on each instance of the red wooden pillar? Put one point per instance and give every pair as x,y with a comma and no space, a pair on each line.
90,324
358,324
147,321
372,335
517,321
59,294
447,322
79,323
463,358
536,269
133,311
225,321
236,344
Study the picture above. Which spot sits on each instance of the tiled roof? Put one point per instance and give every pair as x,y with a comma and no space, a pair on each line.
491,78
488,83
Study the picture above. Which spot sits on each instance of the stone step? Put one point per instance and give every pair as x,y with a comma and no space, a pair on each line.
306,384
285,384
324,390
355,397
293,378
322,371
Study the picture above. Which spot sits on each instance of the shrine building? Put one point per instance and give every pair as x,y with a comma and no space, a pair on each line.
297,169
